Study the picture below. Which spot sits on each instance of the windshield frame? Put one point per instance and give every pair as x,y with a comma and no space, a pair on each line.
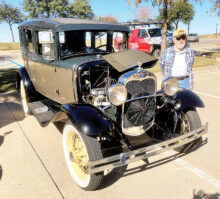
87,47
156,30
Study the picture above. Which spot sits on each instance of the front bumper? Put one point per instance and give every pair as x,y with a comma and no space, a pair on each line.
145,152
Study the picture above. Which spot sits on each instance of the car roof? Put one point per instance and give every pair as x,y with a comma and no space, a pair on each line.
67,24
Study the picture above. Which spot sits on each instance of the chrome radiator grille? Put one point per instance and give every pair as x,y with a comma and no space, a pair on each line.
147,86
141,111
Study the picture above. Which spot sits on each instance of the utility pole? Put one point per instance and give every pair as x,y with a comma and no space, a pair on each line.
216,30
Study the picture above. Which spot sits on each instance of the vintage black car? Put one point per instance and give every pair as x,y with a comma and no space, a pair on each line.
108,100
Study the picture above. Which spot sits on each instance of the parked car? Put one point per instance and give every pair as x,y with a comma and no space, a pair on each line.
169,39
146,40
193,37
109,102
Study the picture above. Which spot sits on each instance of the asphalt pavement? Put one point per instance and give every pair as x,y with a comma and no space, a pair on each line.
32,164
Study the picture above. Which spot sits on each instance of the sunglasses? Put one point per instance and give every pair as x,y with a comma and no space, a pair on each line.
181,37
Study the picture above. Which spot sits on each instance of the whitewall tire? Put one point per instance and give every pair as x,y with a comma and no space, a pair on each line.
24,98
78,150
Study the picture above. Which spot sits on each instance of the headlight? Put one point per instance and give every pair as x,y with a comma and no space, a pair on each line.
170,86
117,94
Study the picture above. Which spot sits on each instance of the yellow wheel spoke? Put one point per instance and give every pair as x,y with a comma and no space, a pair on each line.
77,154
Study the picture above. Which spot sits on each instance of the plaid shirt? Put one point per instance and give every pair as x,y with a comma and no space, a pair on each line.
167,60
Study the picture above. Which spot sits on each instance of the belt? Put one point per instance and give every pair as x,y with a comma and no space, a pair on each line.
182,78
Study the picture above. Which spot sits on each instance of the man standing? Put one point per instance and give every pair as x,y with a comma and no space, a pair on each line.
177,61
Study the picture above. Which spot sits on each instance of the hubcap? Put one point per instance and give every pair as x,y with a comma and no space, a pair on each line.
77,155
185,125
71,157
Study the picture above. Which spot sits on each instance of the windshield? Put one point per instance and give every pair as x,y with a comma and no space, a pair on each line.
76,43
155,32
192,34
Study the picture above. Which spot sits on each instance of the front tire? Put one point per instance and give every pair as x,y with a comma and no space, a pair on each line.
78,150
24,98
188,122
156,52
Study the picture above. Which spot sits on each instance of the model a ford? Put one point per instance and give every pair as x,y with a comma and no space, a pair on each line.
109,101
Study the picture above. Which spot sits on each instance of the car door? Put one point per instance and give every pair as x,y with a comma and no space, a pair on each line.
43,66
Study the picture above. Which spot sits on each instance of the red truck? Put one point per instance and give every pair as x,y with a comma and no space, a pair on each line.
147,40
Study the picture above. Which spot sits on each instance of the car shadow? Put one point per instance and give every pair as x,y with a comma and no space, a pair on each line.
1,172
11,109
1,141
202,195
2,137
120,172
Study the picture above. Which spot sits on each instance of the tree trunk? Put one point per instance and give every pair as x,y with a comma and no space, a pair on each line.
177,23
188,28
164,36
13,40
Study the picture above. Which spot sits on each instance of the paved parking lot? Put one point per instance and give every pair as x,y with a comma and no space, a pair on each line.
32,163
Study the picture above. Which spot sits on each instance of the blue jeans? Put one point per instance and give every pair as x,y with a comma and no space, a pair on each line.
184,83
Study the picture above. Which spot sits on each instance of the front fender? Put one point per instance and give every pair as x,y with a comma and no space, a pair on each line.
22,74
87,119
189,99
31,93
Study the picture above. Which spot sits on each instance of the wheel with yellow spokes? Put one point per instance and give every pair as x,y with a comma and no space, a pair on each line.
24,98
78,150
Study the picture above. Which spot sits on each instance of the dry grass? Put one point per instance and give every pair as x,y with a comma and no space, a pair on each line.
212,36
216,54
9,46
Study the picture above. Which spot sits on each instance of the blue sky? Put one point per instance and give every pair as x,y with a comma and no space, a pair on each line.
202,23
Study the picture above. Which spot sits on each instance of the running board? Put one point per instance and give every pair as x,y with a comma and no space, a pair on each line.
42,112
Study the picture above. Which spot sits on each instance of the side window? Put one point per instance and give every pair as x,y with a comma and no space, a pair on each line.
119,41
88,40
65,47
101,40
142,33
45,45
29,42
22,38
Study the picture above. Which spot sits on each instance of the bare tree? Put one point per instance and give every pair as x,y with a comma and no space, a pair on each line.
143,12
216,6
109,18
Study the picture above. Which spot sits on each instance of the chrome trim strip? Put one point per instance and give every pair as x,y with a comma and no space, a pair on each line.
142,97
125,158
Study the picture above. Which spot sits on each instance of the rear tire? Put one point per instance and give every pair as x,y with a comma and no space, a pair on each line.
78,150
190,121
24,98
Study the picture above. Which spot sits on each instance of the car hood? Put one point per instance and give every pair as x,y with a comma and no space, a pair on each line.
156,40
128,59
